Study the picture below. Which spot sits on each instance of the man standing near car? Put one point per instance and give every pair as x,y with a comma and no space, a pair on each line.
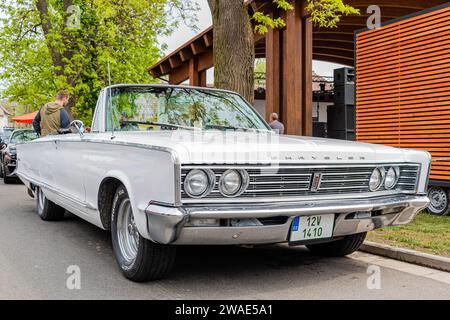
52,116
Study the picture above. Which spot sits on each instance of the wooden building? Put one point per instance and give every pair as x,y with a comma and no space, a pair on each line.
403,86
289,53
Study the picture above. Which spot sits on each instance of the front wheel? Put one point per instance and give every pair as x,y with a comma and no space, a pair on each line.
339,248
439,201
139,259
6,179
47,210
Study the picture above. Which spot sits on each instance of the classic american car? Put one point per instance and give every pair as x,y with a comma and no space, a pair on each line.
165,166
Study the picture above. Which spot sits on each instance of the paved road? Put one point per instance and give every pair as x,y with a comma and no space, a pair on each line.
35,255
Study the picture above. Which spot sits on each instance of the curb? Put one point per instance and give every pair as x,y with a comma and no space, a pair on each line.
407,255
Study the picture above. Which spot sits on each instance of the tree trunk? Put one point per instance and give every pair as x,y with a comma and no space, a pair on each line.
47,27
57,56
234,48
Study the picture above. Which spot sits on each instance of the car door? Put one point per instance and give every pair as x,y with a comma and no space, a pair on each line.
68,170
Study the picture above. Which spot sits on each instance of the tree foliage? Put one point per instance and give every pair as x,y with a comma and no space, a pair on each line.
328,13
324,13
49,45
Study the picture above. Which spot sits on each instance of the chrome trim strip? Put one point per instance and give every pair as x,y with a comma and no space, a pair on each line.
309,208
368,195
58,192
340,181
343,188
300,166
276,190
283,182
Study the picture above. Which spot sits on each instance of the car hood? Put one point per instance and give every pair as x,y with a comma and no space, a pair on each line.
260,147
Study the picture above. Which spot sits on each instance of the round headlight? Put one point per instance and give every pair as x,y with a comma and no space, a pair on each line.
376,179
391,179
233,183
198,183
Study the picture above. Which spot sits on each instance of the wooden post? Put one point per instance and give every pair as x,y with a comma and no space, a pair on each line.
194,76
296,68
307,56
292,71
202,78
273,72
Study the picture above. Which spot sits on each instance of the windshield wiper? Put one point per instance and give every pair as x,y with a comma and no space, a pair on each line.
159,124
225,127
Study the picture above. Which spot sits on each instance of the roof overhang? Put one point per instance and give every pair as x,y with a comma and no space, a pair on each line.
332,45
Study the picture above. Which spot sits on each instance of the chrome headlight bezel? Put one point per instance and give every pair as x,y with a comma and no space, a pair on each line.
210,180
244,182
395,171
382,174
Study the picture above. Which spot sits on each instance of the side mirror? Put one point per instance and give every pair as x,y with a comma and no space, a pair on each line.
79,126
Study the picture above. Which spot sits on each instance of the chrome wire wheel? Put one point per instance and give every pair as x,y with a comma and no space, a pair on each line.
40,201
127,232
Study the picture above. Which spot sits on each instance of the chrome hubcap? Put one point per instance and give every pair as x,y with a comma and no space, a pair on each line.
127,233
438,199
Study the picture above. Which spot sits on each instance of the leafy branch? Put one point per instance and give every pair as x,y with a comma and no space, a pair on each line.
324,13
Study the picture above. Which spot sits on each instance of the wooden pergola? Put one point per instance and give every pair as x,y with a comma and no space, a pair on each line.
289,53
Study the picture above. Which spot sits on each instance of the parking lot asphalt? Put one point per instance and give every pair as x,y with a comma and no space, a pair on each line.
37,258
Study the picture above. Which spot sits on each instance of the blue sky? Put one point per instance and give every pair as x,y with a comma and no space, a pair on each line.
183,34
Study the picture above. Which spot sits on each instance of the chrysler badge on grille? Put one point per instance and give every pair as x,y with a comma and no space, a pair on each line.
315,183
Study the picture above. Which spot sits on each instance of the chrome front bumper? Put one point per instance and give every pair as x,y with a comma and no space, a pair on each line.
167,225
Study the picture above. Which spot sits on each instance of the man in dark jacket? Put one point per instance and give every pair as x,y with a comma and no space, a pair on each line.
53,116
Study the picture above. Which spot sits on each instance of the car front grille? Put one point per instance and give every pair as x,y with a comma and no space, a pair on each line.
294,181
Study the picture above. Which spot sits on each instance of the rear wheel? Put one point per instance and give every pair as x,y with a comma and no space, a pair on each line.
339,248
439,201
138,258
47,210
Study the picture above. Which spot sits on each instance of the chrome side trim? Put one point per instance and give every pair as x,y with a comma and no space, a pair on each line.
58,192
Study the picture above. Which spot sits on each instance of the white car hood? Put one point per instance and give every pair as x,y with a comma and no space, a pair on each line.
248,147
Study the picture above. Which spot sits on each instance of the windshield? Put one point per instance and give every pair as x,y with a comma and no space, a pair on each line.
156,108
6,133
22,136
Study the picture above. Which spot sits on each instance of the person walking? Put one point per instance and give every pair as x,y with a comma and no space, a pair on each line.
276,125
52,116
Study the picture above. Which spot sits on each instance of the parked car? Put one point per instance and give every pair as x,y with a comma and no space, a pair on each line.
5,133
8,155
169,165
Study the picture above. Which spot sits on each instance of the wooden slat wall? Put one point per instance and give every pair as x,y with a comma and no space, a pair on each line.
403,86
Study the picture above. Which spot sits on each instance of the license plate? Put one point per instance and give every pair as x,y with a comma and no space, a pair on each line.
312,228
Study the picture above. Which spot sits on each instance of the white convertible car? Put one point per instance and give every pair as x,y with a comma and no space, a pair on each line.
167,165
